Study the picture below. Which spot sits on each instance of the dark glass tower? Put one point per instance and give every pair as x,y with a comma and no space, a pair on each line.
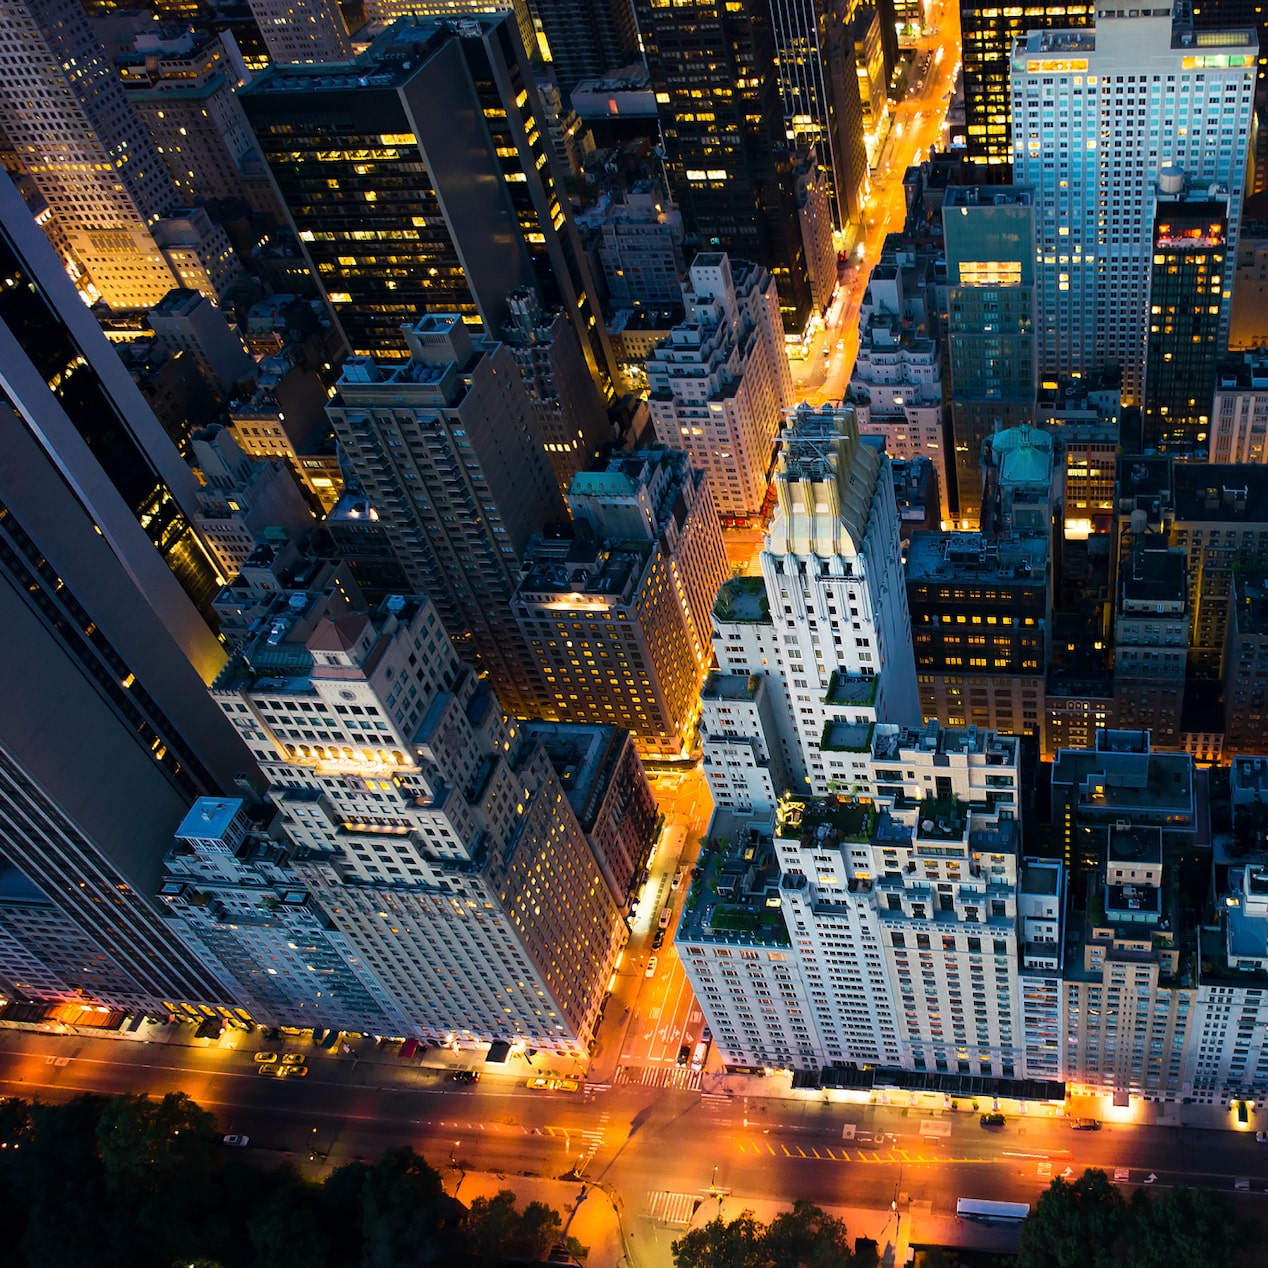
987,32
420,179
1185,288
586,38
730,165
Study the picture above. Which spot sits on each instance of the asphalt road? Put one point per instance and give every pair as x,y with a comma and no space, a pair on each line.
642,1141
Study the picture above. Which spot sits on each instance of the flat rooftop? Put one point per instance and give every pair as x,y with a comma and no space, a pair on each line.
1015,560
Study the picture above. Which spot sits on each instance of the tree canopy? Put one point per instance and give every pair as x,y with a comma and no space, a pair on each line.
145,1183
804,1237
1087,1221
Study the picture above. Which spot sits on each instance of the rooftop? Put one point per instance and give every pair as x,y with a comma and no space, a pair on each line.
1220,493
1015,560
1131,845
803,818
731,687
742,599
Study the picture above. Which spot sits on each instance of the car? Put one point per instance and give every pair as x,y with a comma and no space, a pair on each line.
658,939
677,878
464,1076
266,1058
1262,1137
293,1072
540,1084
707,1036
294,1058
273,1070
1086,1125
993,1120
684,1053
240,1141
652,962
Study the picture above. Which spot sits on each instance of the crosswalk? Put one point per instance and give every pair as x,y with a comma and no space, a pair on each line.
676,1076
665,1207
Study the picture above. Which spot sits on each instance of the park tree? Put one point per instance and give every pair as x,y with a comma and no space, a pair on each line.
1184,1228
718,1244
807,1237
1069,1220
496,1231
407,1218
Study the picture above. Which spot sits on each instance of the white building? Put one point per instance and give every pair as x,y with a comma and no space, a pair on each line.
827,626
1239,411
896,390
1097,115
720,383
899,932
431,834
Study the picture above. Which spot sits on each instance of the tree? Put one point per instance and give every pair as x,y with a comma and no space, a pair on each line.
1185,1228
407,1218
496,1231
1073,1225
739,1244
807,1237
286,1231
144,1141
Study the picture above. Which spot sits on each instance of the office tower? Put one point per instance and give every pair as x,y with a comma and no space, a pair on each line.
720,384
232,897
727,155
244,501
66,114
637,238
1239,410
429,834
819,88
1097,175
106,735
604,781
990,246
1084,415
364,544
849,968
284,416
446,449
980,609
198,252
814,214
182,84
1151,642
1246,664
297,31
896,383
440,197
585,39
1185,283
186,321
571,418
1248,323
63,377
387,11
987,35
616,614
826,625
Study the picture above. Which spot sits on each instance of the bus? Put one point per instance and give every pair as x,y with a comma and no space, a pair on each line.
988,1212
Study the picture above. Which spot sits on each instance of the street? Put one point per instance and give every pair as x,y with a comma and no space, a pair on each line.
642,1142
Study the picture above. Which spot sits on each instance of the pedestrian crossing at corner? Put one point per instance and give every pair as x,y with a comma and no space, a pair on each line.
665,1207
657,1076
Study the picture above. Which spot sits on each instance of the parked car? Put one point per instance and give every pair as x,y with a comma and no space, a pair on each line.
464,1076
267,1058
294,1058
993,1120
658,939
273,1070
293,1072
651,966
1086,1124
239,1141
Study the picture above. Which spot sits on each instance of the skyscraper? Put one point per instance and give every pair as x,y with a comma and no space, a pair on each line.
107,733
586,38
719,385
447,450
818,84
302,30
826,627
987,34
441,195
728,158
76,398
1186,280
1185,103
66,113
433,842
990,245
